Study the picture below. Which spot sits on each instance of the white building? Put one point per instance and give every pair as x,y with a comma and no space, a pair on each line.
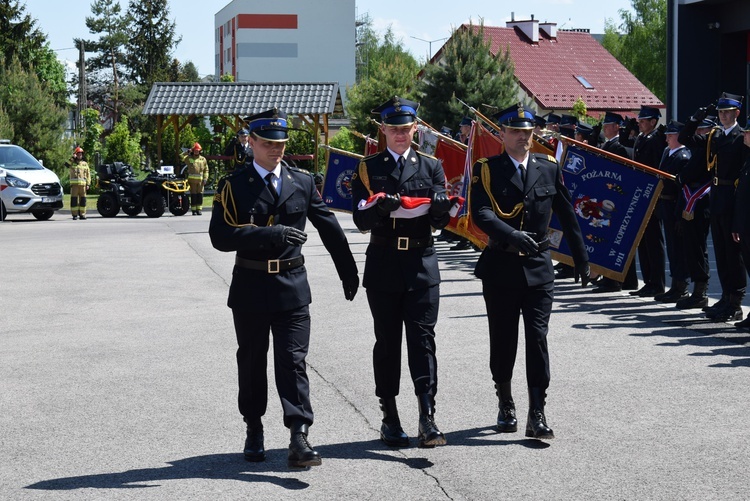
287,41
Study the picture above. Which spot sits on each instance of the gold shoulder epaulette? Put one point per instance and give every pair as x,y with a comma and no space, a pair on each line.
368,157
551,158
299,169
482,160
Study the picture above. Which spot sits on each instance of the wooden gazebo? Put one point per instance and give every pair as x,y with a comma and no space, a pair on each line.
177,103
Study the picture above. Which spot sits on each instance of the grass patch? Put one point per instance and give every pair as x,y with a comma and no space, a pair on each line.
90,201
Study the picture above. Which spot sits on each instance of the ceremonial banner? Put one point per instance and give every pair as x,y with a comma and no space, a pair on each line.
428,140
613,198
337,183
371,146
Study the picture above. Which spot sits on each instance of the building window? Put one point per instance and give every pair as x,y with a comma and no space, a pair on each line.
584,82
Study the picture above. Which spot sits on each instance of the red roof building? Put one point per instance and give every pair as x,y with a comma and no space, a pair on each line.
554,68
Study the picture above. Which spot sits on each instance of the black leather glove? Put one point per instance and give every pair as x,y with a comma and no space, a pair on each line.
700,114
287,235
661,129
632,125
582,272
440,204
351,284
711,110
523,241
388,204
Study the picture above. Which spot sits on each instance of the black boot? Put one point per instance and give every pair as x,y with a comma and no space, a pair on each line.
391,432
254,450
745,324
678,291
536,426
506,417
721,303
301,453
732,311
429,435
698,299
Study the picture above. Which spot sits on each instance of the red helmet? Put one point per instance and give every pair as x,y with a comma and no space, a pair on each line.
197,147
78,150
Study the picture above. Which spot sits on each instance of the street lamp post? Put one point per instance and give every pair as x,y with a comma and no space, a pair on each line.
430,43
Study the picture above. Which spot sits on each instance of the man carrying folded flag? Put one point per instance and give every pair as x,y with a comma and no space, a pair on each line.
401,269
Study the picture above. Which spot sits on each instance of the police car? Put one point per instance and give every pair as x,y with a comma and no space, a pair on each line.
26,185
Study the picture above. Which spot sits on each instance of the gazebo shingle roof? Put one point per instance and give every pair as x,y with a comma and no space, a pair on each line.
230,98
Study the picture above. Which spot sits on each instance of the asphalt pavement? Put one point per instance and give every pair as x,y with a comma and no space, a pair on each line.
118,381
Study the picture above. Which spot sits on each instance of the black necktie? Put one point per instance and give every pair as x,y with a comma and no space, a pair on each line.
269,183
522,171
400,163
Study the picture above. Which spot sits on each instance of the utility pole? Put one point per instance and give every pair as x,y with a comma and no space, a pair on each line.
82,97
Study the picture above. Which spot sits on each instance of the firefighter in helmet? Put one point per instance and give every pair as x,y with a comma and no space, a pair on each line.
197,169
80,180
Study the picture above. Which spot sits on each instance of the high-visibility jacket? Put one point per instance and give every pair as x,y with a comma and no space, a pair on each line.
79,173
197,167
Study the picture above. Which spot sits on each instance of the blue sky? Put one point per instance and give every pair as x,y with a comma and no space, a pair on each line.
410,21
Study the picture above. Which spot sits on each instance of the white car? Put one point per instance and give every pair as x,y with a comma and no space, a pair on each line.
26,185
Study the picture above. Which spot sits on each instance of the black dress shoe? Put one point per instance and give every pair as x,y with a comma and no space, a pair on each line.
536,426
565,272
506,418
429,434
745,324
301,453
607,285
647,291
254,450
462,245
393,435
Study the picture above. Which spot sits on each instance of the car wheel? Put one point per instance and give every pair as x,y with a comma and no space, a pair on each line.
153,205
180,205
107,205
43,215
132,210
3,212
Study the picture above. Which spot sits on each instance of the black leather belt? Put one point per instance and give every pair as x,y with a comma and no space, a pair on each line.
543,246
723,182
402,243
270,266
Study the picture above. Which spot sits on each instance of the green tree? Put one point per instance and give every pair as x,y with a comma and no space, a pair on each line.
92,134
122,146
640,43
38,123
392,71
152,41
6,127
470,72
21,40
106,69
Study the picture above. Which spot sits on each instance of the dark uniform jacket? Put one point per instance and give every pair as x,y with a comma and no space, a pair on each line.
387,268
729,151
673,164
542,193
242,211
741,220
648,148
613,146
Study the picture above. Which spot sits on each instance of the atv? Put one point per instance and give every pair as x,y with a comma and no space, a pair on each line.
119,189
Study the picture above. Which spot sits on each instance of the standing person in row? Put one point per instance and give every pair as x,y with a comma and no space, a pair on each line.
611,130
694,182
260,212
80,181
401,270
512,199
648,148
725,150
741,222
675,158
197,171
239,149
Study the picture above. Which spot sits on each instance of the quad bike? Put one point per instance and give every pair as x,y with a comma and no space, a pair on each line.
160,190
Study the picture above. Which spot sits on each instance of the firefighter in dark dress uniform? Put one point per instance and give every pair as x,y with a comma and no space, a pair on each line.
401,269
260,212
741,221
611,130
648,148
694,186
512,199
725,156
674,159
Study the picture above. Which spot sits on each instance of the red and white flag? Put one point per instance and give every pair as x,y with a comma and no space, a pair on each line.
411,207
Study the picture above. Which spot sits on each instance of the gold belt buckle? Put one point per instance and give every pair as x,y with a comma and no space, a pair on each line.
403,243
716,181
273,266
